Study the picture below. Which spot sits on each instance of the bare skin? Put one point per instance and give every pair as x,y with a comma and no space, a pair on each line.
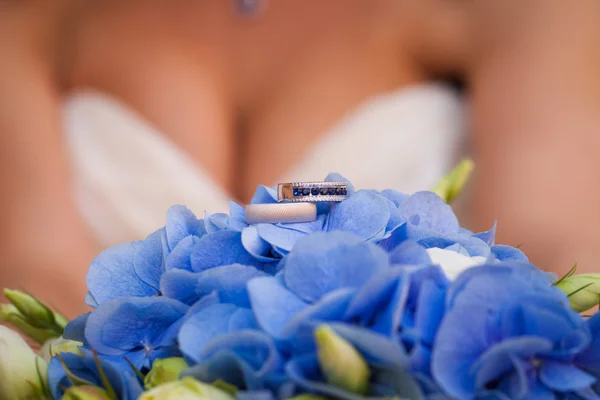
223,87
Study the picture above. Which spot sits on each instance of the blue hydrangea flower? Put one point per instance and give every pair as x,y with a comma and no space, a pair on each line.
508,331
122,380
141,329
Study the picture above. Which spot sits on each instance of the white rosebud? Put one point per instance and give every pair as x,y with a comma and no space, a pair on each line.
187,388
58,345
453,263
22,372
341,364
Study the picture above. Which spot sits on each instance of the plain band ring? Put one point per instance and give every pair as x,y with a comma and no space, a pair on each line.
281,213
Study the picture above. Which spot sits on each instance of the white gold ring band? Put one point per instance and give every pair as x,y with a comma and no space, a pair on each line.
281,213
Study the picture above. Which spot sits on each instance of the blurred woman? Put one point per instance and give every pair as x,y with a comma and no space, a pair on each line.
111,111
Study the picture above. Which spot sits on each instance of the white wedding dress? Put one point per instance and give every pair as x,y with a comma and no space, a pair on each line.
127,173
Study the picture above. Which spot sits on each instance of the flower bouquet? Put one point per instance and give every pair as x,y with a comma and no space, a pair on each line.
384,295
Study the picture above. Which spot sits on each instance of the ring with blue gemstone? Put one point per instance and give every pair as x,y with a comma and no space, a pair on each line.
312,191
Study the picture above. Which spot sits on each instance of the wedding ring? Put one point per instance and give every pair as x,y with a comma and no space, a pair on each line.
312,191
281,213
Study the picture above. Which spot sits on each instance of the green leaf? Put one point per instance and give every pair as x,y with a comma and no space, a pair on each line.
451,185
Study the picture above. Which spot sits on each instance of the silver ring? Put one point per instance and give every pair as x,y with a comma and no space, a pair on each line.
312,191
281,213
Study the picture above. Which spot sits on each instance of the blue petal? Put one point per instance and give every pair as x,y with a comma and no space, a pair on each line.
565,377
181,222
122,325
283,238
179,257
365,214
305,372
507,253
323,262
125,386
331,307
112,275
273,305
374,295
180,284
232,369
395,196
498,359
220,248
377,349
257,246
255,395
229,281
75,329
148,259
427,210
216,222
409,252
590,359
209,323
488,236
255,348
264,195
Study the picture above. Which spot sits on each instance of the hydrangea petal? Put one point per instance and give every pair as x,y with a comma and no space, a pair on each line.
488,236
375,348
229,281
75,329
331,307
564,377
395,196
273,305
498,359
507,253
148,259
282,238
209,323
427,210
181,222
323,262
112,275
179,257
409,252
254,347
216,222
180,284
305,372
264,195
364,214
122,325
220,248
374,295
257,246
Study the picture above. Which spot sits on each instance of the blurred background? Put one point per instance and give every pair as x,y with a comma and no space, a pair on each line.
112,111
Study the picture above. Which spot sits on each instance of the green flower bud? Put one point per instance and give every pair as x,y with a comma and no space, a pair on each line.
163,371
341,364
10,314
85,393
450,186
22,372
187,388
36,313
59,345
583,290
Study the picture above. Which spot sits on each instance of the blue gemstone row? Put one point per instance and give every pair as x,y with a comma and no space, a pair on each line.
339,191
